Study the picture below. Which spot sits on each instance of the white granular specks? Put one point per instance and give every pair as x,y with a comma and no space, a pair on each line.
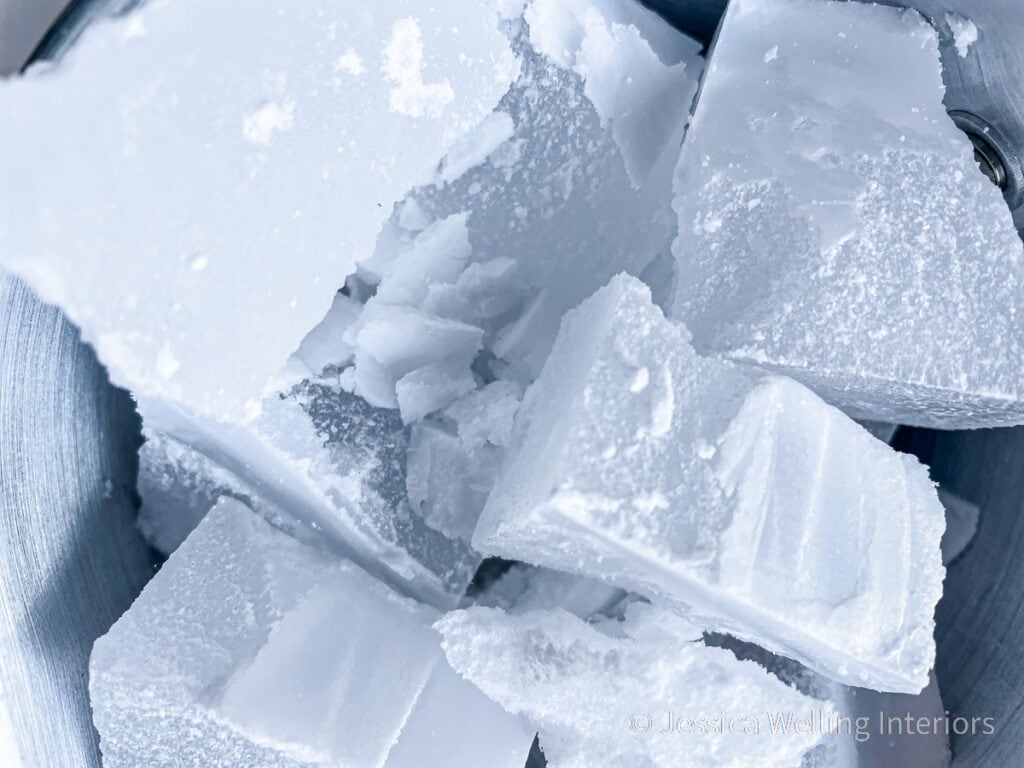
965,33
350,63
640,380
403,65
260,126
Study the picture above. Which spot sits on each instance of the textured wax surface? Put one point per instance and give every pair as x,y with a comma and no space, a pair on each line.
249,648
72,560
586,690
729,493
833,225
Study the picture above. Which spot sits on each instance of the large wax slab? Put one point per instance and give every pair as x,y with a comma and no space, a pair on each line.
834,226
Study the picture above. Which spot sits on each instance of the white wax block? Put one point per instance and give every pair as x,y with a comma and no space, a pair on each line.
352,456
411,218
834,226
601,701
962,518
408,355
371,380
736,496
249,648
335,468
228,166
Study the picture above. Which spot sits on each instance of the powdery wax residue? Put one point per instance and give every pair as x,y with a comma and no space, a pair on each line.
350,63
260,126
965,33
403,65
